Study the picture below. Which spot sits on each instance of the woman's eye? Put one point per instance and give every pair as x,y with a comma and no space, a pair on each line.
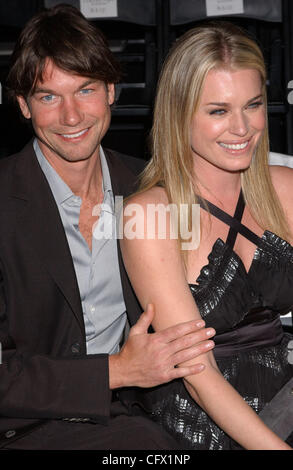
256,104
217,112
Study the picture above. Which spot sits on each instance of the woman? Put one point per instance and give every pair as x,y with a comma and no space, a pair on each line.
210,145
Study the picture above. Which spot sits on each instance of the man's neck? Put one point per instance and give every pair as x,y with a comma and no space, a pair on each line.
84,178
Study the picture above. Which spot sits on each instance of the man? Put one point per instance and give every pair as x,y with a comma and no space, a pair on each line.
65,297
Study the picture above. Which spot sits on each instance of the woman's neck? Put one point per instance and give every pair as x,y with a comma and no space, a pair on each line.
217,185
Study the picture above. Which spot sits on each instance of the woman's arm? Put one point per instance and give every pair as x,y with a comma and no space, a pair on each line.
156,272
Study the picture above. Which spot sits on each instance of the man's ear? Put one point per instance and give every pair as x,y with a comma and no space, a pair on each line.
24,107
111,93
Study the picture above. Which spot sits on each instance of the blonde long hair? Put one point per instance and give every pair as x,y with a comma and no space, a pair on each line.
214,45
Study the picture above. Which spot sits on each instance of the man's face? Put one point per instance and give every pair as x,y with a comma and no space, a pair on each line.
70,114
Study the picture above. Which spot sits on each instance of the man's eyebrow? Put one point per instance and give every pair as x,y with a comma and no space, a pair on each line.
87,83
43,90
52,92
227,104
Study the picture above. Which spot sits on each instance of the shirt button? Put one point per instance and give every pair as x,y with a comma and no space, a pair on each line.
75,348
10,433
92,309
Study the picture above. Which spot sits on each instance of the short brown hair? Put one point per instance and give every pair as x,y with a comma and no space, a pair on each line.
63,35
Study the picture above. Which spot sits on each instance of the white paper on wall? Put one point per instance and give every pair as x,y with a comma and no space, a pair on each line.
224,7
99,8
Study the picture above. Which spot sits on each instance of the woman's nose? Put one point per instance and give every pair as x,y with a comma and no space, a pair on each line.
239,124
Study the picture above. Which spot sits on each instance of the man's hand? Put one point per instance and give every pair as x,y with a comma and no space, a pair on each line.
147,360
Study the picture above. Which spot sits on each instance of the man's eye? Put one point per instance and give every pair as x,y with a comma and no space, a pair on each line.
48,98
86,91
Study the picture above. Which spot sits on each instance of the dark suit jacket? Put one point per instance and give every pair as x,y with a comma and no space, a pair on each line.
45,373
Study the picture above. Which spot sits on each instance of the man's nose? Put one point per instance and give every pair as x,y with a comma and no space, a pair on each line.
71,114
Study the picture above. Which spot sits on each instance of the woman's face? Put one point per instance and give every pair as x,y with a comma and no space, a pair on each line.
229,121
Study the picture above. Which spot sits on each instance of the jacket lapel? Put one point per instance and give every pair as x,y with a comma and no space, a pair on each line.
42,227
123,179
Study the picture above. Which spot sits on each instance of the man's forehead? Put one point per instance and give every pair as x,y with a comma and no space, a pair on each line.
51,74
50,70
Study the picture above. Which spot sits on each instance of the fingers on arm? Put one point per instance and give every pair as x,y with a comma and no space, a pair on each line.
144,321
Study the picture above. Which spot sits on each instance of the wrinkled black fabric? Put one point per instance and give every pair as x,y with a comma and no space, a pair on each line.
251,347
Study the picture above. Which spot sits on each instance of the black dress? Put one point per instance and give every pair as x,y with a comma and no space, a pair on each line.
251,346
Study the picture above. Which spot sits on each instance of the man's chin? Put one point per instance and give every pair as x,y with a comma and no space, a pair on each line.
71,156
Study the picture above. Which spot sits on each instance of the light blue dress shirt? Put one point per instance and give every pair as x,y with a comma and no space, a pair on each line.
97,271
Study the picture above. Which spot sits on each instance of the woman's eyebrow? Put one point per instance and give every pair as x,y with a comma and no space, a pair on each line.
220,103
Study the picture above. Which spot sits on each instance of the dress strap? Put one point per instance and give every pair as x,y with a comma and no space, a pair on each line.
231,238
234,222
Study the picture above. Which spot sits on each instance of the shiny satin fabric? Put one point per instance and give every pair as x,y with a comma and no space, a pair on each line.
251,347
263,329
256,372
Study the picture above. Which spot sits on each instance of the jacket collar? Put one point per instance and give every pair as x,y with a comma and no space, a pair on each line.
122,178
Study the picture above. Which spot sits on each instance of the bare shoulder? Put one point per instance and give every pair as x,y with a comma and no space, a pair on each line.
148,214
150,253
155,195
282,179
